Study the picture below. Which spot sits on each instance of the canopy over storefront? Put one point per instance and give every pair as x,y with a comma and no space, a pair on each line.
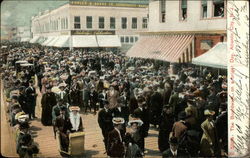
63,41
84,41
48,40
216,57
25,39
52,42
171,48
34,39
108,41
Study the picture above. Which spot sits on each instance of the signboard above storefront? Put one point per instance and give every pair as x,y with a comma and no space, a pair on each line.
109,4
92,32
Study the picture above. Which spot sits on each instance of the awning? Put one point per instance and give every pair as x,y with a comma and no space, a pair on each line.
52,42
25,39
63,41
171,48
48,40
34,39
216,57
108,41
84,41
41,40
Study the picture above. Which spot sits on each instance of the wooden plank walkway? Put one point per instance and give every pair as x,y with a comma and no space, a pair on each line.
94,146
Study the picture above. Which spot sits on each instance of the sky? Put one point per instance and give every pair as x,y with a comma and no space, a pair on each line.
19,12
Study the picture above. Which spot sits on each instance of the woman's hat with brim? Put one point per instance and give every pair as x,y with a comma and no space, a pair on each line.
62,85
209,112
118,120
135,120
74,108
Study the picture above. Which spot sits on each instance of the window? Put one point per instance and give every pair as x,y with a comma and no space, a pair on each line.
112,23
134,23
144,23
124,23
206,44
66,25
204,8
183,10
127,39
218,8
136,39
162,10
122,39
101,22
131,39
62,23
77,24
89,22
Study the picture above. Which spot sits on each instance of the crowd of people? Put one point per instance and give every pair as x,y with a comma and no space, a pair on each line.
131,96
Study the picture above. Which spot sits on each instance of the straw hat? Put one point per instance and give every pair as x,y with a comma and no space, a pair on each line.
209,112
74,108
135,120
118,120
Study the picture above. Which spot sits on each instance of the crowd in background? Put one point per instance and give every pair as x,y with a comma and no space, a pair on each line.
131,96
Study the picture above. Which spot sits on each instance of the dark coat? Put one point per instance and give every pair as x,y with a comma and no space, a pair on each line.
166,125
180,153
115,145
105,120
31,96
48,101
144,116
124,113
22,99
156,104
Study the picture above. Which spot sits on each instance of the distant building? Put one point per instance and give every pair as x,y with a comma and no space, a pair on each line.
9,33
180,30
91,24
23,33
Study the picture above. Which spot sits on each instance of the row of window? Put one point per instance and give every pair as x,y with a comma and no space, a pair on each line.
218,9
112,22
52,25
128,39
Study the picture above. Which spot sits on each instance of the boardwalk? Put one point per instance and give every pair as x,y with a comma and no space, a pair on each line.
94,146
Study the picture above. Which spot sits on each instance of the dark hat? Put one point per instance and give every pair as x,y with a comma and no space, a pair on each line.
182,115
48,87
14,97
63,108
166,106
24,125
223,106
173,141
121,100
30,81
105,102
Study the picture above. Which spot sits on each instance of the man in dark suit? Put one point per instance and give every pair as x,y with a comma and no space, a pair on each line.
121,111
156,104
105,122
116,147
142,113
31,99
174,151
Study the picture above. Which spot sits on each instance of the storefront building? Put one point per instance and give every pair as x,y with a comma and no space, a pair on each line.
91,24
181,30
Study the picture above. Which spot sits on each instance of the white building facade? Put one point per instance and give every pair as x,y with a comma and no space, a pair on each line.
187,28
93,21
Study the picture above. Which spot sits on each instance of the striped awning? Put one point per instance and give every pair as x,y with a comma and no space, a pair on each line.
169,48
34,39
